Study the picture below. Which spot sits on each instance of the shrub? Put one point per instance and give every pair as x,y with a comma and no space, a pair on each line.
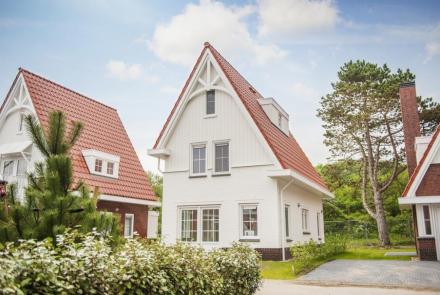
89,264
305,256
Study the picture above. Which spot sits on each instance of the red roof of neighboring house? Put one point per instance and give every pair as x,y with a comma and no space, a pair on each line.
103,131
422,161
285,148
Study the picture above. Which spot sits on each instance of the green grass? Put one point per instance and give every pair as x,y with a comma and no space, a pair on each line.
283,270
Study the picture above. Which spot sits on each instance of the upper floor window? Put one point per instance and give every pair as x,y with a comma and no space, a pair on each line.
305,220
199,159
210,102
98,165
110,168
221,154
427,220
21,123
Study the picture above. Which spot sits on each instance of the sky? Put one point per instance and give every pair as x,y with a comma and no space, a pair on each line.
136,55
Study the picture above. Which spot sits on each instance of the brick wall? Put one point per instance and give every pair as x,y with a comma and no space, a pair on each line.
430,185
426,247
140,214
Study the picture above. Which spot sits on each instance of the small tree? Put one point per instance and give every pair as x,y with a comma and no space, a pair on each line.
362,120
54,202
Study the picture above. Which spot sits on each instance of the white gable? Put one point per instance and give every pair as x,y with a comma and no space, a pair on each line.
209,76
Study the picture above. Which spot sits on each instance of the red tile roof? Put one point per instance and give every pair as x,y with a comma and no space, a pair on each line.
285,148
422,161
103,131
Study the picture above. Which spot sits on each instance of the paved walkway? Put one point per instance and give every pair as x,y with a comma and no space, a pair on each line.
271,287
422,275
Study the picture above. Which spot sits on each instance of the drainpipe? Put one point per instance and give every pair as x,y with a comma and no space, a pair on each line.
283,220
158,165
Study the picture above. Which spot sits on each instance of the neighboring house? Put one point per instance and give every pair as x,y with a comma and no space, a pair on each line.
232,169
422,193
103,157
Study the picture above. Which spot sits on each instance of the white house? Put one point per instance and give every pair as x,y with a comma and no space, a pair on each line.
232,169
103,157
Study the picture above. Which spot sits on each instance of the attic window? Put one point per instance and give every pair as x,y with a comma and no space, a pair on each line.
101,163
210,102
280,120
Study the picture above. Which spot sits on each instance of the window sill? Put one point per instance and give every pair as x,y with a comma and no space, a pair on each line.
221,174
210,116
198,176
249,240
306,233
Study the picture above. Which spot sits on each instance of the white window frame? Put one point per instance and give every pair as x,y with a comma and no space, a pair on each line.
191,164
96,165
305,222
199,228
424,221
21,123
206,104
247,206
287,221
214,144
131,215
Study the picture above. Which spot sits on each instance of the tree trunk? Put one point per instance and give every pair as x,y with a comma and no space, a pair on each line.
382,226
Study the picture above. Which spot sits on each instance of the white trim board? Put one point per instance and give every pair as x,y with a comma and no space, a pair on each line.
128,200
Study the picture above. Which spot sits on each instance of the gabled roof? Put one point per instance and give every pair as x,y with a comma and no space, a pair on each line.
103,131
285,147
422,163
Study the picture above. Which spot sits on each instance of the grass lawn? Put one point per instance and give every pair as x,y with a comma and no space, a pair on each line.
283,270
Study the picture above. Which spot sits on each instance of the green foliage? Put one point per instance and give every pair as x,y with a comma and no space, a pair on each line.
346,212
305,256
429,112
53,201
156,182
88,264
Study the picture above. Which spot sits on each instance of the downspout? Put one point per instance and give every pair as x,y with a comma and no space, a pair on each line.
158,165
283,219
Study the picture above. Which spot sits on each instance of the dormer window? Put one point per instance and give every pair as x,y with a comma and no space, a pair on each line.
98,165
210,102
110,167
101,163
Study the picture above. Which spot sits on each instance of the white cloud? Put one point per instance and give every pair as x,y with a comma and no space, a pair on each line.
303,91
432,49
123,71
181,39
286,17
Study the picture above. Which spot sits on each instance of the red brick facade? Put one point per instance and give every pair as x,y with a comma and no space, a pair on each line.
430,185
274,254
426,249
140,214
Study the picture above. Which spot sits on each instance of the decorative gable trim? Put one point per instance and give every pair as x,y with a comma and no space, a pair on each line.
422,167
198,83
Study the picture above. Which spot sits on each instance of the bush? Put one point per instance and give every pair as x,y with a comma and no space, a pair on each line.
306,256
87,264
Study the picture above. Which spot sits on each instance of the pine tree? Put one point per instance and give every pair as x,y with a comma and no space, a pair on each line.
53,201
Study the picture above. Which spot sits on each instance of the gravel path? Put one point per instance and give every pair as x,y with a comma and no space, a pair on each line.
423,275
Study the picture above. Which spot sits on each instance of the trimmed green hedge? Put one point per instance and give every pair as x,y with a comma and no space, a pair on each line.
87,264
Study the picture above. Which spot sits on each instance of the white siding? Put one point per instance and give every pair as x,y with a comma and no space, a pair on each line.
228,124
295,196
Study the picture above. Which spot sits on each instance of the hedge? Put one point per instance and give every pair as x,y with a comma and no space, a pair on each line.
87,264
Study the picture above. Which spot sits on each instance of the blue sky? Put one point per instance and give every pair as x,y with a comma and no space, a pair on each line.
136,55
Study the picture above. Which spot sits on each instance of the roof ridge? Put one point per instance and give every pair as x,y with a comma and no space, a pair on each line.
20,69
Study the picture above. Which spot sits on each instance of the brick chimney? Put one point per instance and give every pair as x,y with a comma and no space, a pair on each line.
411,122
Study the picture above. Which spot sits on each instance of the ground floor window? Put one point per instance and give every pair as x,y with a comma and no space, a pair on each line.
249,221
427,220
305,220
196,222
128,225
318,223
287,219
